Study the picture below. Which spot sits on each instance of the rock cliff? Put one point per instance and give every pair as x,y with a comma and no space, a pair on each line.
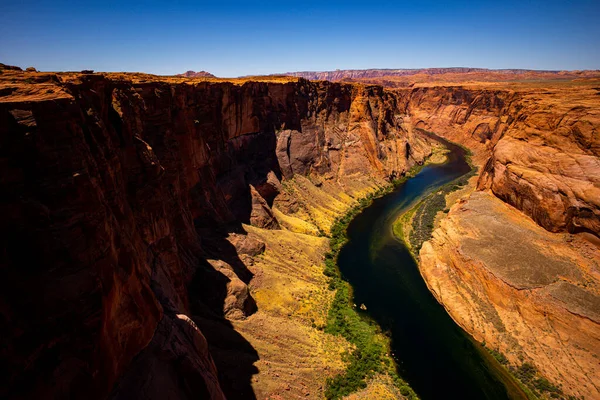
538,147
123,202
531,293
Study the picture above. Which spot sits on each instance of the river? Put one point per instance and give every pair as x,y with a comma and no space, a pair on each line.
436,357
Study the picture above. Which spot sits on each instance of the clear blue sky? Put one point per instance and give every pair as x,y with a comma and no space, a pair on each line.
232,38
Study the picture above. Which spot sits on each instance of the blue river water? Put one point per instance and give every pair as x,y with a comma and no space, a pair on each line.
432,352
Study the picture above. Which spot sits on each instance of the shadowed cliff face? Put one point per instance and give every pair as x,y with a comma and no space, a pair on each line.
122,211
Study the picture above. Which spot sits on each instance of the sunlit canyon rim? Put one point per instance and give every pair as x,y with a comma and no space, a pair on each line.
166,235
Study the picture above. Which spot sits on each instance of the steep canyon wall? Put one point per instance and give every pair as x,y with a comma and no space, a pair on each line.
123,199
530,293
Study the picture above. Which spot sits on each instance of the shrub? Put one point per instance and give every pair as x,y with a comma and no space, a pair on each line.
525,372
542,384
501,358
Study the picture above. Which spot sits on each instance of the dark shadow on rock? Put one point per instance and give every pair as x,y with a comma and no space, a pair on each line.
249,163
233,355
250,159
174,365
217,247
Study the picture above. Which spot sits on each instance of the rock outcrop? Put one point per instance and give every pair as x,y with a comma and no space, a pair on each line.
525,292
548,163
539,148
199,74
505,262
123,202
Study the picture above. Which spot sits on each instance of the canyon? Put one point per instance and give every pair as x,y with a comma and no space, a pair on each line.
166,235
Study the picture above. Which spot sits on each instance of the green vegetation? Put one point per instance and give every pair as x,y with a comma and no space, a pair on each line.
403,221
422,216
371,353
501,358
528,375
423,219
496,364
533,384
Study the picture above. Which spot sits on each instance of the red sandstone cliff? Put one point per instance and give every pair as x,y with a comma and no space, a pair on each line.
118,189
531,293
538,146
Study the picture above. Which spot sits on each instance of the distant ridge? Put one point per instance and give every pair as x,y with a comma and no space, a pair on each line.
422,74
194,74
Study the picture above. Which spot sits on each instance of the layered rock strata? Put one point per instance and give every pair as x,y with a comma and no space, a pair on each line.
539,148
516,263
124,195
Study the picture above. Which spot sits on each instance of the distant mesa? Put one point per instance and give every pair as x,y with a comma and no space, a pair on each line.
200,74
406,77
9,67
